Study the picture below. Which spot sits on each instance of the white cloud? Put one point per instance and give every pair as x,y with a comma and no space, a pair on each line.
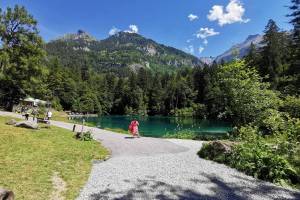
233,13
205,42
203,33
132,29
201,49
190,49
113,31
189,40
193,17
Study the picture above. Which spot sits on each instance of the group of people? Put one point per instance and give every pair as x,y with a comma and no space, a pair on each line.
34,112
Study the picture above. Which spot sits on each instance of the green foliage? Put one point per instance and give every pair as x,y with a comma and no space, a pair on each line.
197,110
186,134
291,105
239,95
21,56
259,160
271,121
86,136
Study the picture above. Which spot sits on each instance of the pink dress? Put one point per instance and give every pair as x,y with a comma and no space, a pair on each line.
133,127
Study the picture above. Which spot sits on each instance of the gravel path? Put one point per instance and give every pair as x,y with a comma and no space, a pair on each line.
151,168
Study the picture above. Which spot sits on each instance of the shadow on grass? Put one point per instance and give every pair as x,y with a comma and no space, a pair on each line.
214,188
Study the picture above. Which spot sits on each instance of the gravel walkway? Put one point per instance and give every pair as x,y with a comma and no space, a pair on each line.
151,168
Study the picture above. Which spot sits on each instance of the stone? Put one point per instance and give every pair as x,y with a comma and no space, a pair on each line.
222,146
27,124
6,194
11,122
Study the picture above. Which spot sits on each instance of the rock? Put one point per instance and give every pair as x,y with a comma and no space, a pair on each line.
216,150
27,124
222,146
11,122
6,194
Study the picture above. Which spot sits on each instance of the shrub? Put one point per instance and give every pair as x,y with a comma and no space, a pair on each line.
271,121
259,160
291,105
255,157
84,136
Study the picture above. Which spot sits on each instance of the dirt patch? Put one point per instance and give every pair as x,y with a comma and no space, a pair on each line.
59,186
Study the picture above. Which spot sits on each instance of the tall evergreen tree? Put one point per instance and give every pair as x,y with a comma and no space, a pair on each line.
295,21
272,53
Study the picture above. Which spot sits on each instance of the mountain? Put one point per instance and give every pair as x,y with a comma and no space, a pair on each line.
120,51
207,60
241,49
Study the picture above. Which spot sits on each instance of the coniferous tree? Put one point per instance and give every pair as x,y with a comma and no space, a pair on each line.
271,54
252,57
295,21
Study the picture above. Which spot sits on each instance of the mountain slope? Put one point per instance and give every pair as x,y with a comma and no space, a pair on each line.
242,49
122,50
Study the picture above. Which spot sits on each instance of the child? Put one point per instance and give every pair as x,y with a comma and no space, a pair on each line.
134,128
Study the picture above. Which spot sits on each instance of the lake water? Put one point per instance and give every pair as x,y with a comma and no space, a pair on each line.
158,126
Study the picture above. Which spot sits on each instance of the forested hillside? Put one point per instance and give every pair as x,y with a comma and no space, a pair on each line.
119,52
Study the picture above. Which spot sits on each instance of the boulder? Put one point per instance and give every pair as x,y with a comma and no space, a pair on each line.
222,146
6,194
27,124
11,122
216,150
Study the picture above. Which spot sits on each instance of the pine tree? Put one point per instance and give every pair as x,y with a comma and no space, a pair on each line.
251,58
271,51
295,21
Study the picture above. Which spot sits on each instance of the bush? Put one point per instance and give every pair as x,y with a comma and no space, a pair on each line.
259,160
271,121
291,105
84,136
255,157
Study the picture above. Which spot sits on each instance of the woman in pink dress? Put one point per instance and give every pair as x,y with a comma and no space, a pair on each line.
134,128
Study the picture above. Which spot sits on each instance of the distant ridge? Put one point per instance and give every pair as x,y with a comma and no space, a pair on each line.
122,50
242,48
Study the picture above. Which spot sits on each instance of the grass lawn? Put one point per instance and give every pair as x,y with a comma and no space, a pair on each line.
30,158
60,116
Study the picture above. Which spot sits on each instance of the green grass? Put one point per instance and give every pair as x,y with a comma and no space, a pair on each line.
29,159
60,116
189,135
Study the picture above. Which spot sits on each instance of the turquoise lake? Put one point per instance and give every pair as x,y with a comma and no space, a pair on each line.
158,126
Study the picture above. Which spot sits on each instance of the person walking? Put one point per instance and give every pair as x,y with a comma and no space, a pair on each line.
27,114
49,115
134,128
34,114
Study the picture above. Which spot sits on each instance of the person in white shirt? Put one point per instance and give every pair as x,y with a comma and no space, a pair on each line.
49,115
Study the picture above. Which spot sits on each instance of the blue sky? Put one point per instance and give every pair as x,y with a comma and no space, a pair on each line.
165,21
